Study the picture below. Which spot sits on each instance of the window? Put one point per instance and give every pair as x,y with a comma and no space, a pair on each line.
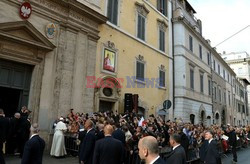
141,27
228,78
162,78
208,58
219,94
162,40
140,70
224,74
214,65
162,6
200,51
190,43
229,97
201,83
218,69
238,107
112,11
209,87
191,78
215,93
225,98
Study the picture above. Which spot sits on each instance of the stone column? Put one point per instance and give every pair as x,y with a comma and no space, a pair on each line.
91,60
67,67
80,70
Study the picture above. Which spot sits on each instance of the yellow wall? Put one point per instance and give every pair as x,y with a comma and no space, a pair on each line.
129,49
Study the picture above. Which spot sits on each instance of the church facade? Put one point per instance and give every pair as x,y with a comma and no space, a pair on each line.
47,49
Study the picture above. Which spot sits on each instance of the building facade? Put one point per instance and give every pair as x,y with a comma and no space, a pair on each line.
47,48
239,62
222,88
192,77
133,57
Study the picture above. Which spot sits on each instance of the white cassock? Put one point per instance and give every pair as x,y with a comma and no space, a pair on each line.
58,145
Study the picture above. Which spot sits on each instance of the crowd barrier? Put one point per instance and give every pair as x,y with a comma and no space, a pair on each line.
71,145
72,148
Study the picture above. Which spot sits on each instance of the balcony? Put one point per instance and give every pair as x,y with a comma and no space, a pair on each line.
183,10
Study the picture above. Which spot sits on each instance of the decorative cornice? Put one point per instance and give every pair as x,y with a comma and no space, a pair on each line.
141,8
162,24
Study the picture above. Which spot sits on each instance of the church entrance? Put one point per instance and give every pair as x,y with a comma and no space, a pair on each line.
15,81
9,100
106,106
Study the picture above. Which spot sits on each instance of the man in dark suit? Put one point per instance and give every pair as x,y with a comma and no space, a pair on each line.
232,142
209,151
119,134
108,150
34,147
149,150
178,155
4,127
88,144
23,134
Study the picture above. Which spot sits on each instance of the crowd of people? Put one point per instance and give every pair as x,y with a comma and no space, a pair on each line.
19,137
129,128
126,138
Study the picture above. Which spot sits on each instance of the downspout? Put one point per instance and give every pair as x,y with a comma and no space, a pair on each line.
173,76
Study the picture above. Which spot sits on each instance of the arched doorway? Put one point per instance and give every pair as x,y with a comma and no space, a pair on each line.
107,94
208,120
223,117
192,118
202,115
217,118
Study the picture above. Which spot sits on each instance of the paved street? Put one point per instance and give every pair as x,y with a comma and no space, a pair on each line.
46,160
243,157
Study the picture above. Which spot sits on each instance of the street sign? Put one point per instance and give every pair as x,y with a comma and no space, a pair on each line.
167,104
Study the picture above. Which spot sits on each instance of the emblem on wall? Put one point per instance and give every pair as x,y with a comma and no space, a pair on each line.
51,30
25,10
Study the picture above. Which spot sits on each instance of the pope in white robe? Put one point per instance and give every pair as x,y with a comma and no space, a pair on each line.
58,145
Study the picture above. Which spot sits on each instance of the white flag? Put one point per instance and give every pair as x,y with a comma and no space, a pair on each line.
140,122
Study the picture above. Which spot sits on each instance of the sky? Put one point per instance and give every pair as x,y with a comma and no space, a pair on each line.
223,18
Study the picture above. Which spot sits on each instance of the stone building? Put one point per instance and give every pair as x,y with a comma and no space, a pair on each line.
192,62
46,52
239,62
134,56
223,90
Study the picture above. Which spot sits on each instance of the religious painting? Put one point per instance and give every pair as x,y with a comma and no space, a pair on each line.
109,60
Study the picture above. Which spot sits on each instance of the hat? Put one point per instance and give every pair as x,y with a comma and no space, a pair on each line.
228,124
61,119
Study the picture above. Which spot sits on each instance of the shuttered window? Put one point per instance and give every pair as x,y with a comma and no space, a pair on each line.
141,27
112,11
191,78
162,6
162,78
208,58
200,51
139,71
209,87
191,43
201,83
162,40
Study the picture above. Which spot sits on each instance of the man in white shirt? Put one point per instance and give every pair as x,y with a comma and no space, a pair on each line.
149,150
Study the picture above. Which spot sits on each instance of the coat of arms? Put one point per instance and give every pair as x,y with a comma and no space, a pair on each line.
51,30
